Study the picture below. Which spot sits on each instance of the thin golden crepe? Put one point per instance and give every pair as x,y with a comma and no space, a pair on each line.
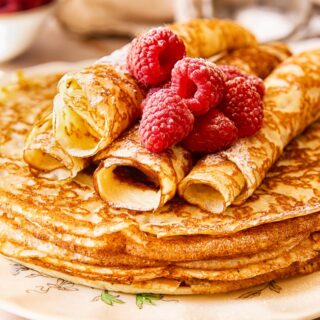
257,60
224,267
44,154
95,105
26,247
66,230
174,287
304,249
53,260
207,37
46,157
130,177
30,93
291,103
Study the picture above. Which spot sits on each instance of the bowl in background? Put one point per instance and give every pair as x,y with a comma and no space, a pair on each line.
18,30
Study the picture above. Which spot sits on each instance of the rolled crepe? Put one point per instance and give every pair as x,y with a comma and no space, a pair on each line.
291,103
131,177
154,178
45,156
207,37
93,107
266,58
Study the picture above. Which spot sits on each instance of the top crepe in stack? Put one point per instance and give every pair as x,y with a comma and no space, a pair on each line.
65,229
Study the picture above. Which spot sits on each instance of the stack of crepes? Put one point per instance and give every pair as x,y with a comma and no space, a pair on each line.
126,228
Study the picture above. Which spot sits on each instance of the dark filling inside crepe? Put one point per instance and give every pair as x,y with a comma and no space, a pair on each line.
136,177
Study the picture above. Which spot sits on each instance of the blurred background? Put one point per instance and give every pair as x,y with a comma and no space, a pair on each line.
38,31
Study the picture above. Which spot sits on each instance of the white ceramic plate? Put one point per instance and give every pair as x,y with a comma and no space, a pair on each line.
38,297
32,295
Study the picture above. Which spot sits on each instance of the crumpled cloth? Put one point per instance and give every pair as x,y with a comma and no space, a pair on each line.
113,17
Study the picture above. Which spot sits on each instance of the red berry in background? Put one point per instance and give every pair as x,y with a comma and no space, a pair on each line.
152,56
243,105
166,120
211,132
7,6
230,71
200,82
29,4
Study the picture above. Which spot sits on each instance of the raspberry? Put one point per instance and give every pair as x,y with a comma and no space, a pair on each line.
230,71
200,82
211,132
152,56
258,84
243,105
166,120
152,91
